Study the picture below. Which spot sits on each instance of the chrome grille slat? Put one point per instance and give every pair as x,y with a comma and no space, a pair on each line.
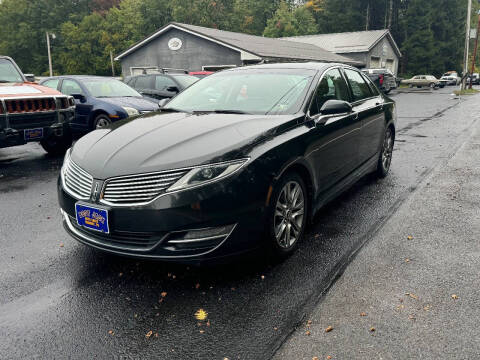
77,180
140,188
165,180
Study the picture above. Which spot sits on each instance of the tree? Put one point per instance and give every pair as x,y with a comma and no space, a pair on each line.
290,22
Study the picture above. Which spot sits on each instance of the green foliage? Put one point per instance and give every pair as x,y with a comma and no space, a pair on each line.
429,32
289,21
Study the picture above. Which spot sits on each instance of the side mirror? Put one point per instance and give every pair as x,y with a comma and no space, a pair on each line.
163,102
30,77
333,107
173,89
79,97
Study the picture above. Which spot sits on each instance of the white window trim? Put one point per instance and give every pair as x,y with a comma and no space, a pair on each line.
142,68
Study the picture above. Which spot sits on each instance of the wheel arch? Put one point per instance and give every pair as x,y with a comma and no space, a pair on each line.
94,114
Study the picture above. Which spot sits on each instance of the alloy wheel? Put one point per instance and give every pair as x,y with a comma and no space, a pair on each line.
387,149
102,122
289,214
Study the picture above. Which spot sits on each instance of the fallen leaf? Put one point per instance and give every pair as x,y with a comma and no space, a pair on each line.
263,277
120,274
309,322
111,332
173,277
315,358
372,329
363,314
401,306
328,329
156,335
148,334
413,296
328,357
317,236
202,331
308,333
411,317
454,297
409,237
197,286
163,294
407,260
61,245
201,314
275,328
208,323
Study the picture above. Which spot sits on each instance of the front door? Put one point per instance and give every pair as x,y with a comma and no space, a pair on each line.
82,109
334,147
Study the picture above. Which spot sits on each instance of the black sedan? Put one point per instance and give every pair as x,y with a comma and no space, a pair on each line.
160,86
239,160
99,100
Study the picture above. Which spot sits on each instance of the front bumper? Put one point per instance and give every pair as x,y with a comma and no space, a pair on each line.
220,222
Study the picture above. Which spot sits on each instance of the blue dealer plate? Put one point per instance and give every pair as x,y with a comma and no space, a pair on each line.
33,134
92,218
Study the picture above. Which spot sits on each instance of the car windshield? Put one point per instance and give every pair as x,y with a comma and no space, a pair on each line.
109,88
186,80
266,91
8,72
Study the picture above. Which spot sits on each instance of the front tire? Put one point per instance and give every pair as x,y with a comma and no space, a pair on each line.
101,121
385,157
287,215
56,146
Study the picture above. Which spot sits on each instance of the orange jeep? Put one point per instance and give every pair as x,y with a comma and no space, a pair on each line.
31,112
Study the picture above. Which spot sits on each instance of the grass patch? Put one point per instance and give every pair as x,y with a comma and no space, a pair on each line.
403,86
466,92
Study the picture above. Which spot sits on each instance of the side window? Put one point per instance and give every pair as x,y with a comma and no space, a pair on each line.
52,83
373,87
359,86
331,87
70,87
163,82
143,82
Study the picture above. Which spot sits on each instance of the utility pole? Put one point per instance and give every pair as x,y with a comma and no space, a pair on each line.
474,52
368,16
467,44
49,54
111,61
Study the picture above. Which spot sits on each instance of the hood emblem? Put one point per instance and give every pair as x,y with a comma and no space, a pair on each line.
96,191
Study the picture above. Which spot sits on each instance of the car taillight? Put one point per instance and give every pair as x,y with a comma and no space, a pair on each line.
381,79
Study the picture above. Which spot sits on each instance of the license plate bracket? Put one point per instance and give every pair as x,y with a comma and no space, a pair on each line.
92,218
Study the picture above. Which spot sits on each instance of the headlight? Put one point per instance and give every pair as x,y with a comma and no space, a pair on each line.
131,111
203,175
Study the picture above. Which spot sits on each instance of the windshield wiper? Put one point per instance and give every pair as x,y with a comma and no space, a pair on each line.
4,81
220,112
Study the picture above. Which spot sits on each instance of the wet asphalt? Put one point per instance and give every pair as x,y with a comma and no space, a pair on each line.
60,299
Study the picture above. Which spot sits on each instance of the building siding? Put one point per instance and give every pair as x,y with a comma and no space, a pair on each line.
194,53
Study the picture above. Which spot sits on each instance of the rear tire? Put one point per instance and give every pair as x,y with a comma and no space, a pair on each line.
287,215
385,156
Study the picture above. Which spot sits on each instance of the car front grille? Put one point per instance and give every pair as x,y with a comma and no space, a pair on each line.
138,189
30,105
77,180
28,121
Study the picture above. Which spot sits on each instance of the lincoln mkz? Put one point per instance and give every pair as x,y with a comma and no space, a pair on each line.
239,161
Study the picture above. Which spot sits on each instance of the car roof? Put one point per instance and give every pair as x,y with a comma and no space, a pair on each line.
80,77
297,65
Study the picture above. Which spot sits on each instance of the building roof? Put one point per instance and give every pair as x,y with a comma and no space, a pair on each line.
347,42
251,46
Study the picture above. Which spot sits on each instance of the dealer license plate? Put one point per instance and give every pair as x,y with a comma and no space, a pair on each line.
33,134
92,218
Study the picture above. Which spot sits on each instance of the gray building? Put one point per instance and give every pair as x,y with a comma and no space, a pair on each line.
375,49
196,48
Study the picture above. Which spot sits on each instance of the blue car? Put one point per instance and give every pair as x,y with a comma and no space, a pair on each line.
99,100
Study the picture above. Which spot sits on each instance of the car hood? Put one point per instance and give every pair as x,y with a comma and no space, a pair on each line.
165,141
138,103
25,89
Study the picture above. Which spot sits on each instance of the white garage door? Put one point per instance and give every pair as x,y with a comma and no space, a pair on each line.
374,62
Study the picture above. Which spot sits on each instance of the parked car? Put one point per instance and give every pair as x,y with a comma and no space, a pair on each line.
161,86
474,79
207,177
383,78
200,74
447,80
453,74
99,100
422,80
30,112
